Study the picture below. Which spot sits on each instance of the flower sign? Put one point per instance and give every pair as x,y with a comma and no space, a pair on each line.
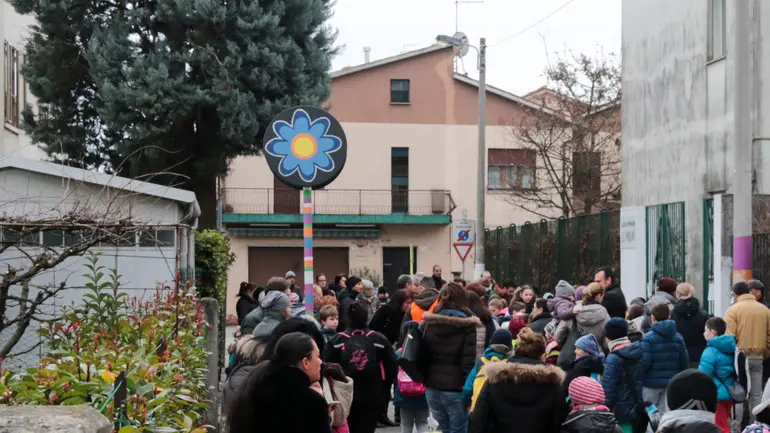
305,147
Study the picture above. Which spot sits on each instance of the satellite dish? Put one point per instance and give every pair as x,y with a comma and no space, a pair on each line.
462,50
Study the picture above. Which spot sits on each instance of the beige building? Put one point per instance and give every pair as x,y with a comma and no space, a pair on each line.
15,30
411,125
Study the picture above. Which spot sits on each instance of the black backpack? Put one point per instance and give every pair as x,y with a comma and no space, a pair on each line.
359,355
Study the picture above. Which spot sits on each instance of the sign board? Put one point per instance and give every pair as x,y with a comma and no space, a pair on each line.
305,147
463,250
463,232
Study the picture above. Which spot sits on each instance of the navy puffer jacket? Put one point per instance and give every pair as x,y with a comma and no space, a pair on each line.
663,354
618,394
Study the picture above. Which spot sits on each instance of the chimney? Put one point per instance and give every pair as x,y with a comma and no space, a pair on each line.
367,51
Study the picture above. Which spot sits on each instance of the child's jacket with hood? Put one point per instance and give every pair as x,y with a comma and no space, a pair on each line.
718,362
477,377
599,420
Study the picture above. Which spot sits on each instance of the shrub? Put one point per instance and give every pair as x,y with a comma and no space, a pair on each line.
158,343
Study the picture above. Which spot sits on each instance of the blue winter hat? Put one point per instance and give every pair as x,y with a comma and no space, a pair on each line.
502,336
588,344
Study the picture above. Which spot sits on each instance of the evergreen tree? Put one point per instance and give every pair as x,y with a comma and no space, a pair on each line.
170,91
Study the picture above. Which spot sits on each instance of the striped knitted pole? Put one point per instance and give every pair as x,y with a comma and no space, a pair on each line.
307,231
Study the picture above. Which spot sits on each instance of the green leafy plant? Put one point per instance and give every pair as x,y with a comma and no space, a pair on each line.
157,343
212,260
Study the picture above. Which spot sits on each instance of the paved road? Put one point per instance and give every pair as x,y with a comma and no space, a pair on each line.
389,429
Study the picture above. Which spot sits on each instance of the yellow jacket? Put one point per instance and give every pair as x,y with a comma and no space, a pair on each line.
749,321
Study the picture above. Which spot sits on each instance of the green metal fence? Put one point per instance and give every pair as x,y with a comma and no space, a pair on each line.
543,253
665,241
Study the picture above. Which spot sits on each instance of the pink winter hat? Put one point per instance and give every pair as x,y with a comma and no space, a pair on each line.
586,391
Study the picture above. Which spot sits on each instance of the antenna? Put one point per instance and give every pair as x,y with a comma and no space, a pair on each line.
457,18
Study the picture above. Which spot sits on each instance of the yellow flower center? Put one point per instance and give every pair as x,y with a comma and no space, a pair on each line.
304,146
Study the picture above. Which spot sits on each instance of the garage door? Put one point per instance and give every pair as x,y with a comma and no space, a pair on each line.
266,262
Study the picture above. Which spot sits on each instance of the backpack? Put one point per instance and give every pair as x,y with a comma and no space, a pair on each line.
359,355
407,386
481,377
742,370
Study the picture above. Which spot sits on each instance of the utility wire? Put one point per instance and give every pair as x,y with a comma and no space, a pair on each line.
530,27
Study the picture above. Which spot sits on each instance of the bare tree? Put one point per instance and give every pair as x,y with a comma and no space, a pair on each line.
39,233
569,158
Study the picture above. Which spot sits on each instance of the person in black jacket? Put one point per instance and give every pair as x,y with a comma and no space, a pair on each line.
278,387
614,299
541,317
246,302
347,297
387,320
438,282
589,360
690,321
506,403
447,355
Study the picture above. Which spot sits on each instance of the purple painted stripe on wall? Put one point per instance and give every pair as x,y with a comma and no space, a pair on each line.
742,252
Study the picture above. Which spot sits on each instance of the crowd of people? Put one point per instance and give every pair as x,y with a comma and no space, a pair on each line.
481,357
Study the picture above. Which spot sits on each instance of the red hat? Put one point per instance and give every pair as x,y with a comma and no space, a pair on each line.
667,285
516,325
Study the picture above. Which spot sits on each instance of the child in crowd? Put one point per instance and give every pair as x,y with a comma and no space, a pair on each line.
589,415
500,347
330,319
589,360
562,305
498,307
635,317
517,309
718,362
408,396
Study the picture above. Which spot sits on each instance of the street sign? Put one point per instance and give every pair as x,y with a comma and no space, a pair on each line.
463,232
463,250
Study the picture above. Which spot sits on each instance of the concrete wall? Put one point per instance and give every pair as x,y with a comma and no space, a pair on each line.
15,30
53,419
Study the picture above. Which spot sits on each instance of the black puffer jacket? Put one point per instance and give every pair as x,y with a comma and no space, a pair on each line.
506,402
448,350
245,305
590,421
584,366
690,321
540,321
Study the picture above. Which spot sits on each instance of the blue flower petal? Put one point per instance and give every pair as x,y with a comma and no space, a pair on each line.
307,169
323,161
301,122
288,165
319,127
329,143
285,131
278,147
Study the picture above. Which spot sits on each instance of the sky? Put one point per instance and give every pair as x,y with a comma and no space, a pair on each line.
516,64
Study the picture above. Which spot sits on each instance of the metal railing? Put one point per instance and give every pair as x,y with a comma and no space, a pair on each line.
339,201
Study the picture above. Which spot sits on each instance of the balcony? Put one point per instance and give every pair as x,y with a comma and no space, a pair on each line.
338,206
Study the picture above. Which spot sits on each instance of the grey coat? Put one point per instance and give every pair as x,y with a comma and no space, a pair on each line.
591,320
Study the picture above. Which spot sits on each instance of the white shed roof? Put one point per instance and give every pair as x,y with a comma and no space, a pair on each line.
96,178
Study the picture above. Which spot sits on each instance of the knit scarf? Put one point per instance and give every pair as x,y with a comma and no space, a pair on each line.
619,342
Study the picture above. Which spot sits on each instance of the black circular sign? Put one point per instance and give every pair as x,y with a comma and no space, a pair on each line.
305,146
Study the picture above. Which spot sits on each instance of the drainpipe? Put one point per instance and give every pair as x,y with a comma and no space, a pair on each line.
188,239
367,51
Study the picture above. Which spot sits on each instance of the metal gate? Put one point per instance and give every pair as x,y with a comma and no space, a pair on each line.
708,251
665,242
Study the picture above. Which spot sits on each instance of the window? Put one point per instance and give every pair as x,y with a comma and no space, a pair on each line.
511,169
399,179
399,91
586,174
157,238
717,25
11,70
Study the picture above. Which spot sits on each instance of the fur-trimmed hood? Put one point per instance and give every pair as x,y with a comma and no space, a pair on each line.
523,373
440,319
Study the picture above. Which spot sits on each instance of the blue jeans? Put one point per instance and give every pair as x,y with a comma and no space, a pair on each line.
448,409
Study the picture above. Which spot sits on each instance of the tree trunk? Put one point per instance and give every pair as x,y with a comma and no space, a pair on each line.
205,189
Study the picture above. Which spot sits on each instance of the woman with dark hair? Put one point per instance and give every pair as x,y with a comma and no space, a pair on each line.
480,311
387,320
367,357
447,355
277,388
246,302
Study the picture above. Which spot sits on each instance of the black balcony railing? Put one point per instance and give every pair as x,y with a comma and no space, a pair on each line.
339,201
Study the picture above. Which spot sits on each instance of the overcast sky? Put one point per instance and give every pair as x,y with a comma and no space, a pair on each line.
391,26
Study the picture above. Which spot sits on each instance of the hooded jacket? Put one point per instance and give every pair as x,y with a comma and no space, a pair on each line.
663,355
425,301
586,365
475,379
448,348
590,421
506,404
252,320
273,306
690,320
688,421
615,302
660,297
561,307
591,319
245,305
618,394
235,383
718,361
